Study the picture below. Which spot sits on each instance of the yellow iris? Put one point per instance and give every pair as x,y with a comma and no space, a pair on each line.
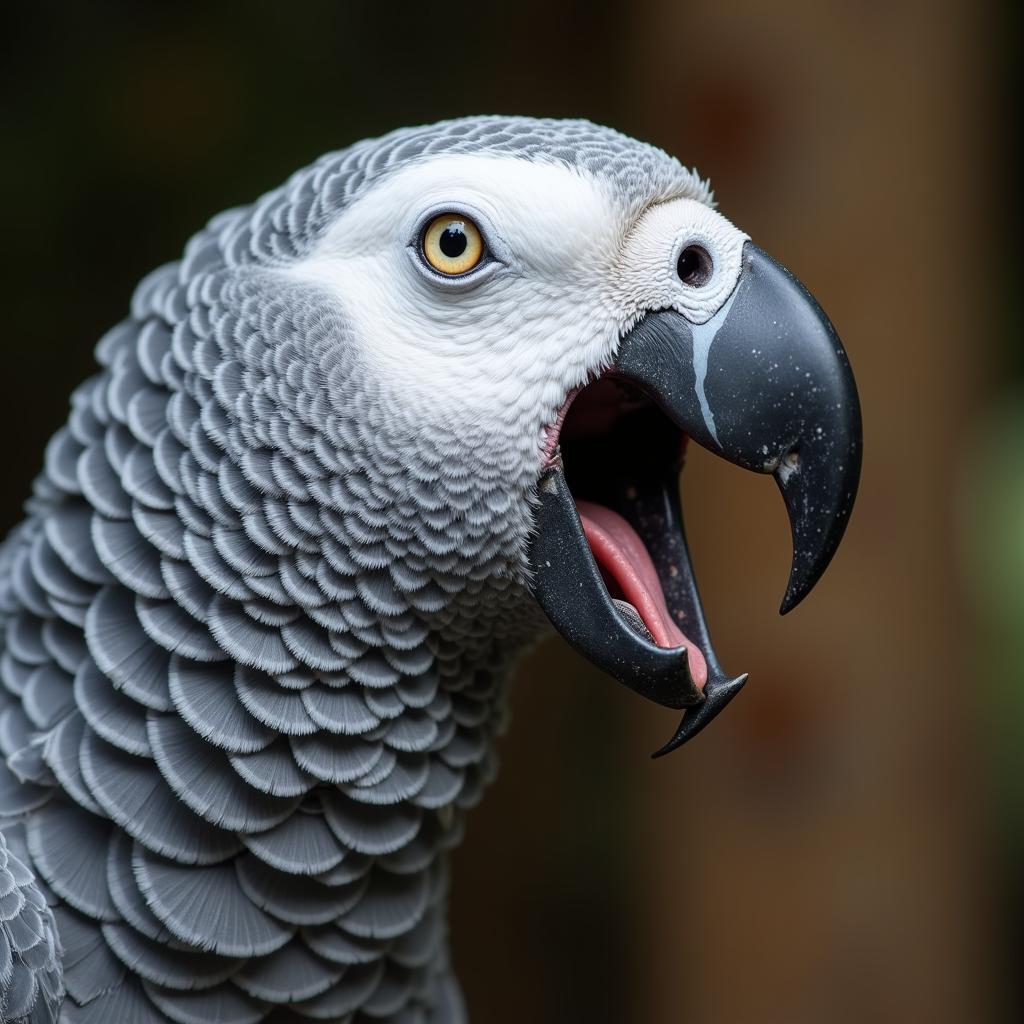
452,244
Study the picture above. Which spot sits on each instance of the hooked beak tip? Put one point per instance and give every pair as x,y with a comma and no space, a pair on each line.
796,591
717,693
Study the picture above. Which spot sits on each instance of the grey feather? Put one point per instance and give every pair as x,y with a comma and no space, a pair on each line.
248,642
273,771
72,613
175,630
165,965
115,717
28,765
300,845
269,612
128,556
28,590
124,652
117,445
422,691
299,901
442,786
392,905
203,779
188,588
51,574
384,703
147,410
48,696
223,1004
368,829
273,705
204,695
339,947
101,484
127,1003
62,454
69,849
310,644
168,454
404,782
126,895
207,907
69,533
349,993
162,529
419,854
30,976
411,733
393,992
135,796
141,480
372,670
154,342
339,710
60,751
335,759
467,747
64,644
354,866
290,974
90,968
416,947
15,727
381,770
204,558
25,640
17,797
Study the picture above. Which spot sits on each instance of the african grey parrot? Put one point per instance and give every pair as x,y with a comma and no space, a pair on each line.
335,465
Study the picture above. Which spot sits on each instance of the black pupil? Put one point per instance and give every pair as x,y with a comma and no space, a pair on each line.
453,241
693,265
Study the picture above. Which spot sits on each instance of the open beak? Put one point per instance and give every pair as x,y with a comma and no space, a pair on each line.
766,385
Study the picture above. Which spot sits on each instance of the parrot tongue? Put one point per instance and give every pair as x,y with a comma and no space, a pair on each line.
630,576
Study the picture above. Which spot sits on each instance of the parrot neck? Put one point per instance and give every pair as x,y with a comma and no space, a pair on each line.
392,828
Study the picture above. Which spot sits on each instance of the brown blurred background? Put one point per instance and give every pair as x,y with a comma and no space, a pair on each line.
843,844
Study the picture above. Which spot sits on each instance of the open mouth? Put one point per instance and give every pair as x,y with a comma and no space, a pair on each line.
766,385
622,459
619,458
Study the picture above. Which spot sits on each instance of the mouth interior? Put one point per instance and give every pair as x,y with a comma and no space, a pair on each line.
619,453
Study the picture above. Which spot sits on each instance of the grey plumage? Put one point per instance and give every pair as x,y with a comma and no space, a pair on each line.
253,639
30,982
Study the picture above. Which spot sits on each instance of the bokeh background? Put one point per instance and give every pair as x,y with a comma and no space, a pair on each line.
844,843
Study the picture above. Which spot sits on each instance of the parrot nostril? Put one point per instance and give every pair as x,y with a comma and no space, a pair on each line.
694,266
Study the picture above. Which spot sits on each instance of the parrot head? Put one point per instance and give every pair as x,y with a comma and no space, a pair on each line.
534,319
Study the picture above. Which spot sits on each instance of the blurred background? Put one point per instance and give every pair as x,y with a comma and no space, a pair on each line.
844,843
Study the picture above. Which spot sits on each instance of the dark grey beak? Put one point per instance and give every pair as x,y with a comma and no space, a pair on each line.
766,385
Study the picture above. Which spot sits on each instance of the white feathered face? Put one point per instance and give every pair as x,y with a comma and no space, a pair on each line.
483,289
520,314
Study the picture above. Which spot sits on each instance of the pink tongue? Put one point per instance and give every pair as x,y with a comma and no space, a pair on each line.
621,554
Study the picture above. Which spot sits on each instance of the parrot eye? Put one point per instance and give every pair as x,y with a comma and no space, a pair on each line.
694,266
452,244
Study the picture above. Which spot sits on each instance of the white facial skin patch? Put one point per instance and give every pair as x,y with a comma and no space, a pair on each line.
571,270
